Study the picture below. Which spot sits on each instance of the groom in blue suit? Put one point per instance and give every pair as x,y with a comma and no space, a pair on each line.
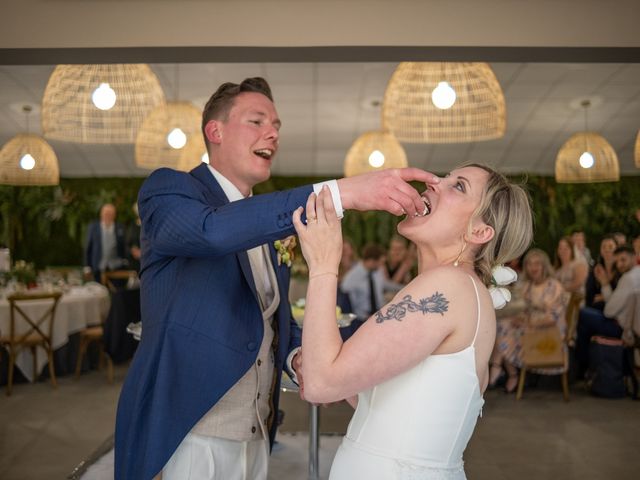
201,395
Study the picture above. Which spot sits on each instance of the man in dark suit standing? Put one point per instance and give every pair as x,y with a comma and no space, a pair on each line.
105,244
201,396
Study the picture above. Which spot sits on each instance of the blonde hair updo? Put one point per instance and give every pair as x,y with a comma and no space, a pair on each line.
505,207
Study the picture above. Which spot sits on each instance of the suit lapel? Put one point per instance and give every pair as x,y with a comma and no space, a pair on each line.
245,265
216,196
213,191
278,273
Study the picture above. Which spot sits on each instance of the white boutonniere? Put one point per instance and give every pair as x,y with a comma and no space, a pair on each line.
501,276
285,249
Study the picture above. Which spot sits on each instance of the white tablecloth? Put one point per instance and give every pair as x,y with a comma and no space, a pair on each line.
78,308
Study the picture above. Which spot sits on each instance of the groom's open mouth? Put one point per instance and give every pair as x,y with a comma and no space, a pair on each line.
265,153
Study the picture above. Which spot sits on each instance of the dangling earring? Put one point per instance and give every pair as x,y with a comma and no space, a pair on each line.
457,261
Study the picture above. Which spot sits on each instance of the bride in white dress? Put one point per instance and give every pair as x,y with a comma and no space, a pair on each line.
418,366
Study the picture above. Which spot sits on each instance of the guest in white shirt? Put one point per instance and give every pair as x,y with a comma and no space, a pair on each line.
628,285
594,322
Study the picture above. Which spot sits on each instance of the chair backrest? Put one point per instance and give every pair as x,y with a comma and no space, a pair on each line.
42,326
117,279
546,346
571,315
543,347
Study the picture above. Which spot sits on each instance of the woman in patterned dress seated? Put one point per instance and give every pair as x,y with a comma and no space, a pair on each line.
545,303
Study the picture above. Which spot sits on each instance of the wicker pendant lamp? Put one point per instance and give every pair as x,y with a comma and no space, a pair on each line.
470,103
27,159
637,150
178,119
586,157
78,102
374,150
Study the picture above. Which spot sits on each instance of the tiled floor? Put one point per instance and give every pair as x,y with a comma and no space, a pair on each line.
44,433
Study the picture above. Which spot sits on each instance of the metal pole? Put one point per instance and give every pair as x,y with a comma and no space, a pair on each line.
314,441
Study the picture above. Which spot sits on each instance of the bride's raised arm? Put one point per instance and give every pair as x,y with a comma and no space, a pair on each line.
402,333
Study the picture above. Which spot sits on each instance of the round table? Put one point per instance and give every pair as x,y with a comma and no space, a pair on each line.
78,308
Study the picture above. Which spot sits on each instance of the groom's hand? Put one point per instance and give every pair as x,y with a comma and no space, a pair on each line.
296,364
385,190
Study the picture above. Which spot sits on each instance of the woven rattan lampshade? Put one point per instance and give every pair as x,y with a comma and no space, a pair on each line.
637,150
152,148
605,167
357,159
68,111
44,172
477,114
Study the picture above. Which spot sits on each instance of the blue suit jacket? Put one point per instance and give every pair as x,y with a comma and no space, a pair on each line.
93,246
202,324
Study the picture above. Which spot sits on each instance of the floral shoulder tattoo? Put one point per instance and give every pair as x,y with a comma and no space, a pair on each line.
436,303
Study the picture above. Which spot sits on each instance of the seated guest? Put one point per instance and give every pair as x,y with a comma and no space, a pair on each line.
594,322
606,263
348,259
545,304
620,238
628,285
507,314
570,271
580,246
400,260
365,283
636,248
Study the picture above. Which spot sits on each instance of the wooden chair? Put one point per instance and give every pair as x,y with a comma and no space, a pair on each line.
96,333
115,279
573,311
38,332
88,336
555,358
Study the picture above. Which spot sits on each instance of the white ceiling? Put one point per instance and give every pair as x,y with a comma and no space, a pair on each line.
325,106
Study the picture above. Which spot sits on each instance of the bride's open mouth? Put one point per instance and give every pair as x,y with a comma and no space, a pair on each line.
427,206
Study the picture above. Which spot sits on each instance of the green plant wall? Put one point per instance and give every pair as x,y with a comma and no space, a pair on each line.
47,225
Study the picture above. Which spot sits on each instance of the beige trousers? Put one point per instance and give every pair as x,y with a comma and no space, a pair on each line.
199,457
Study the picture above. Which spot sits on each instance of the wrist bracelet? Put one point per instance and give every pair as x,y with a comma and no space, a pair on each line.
323,273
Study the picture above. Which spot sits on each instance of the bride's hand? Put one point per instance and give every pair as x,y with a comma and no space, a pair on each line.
321,237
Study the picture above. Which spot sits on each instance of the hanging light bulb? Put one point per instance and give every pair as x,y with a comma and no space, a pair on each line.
27,162
586,160
177,138
366,153
443,96
169,135
376,159
417,112
18,165
587,157
104,97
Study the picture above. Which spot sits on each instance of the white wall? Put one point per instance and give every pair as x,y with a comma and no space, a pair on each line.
288,23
